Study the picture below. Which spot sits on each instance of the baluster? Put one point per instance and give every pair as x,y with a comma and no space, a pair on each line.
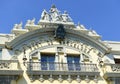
78,79
69,79
87,79
51,78
60,78
41,78
95,79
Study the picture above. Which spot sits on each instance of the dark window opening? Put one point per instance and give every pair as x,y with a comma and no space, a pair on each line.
117,61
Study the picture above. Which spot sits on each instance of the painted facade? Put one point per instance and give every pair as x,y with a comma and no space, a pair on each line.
56,51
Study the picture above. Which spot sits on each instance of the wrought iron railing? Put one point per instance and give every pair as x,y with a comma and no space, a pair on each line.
55,66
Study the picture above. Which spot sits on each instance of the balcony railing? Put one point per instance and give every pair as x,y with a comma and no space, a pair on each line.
9,70
50,66
10,67
112,71
112,67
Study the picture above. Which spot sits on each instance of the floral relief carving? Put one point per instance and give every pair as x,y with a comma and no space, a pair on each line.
4,65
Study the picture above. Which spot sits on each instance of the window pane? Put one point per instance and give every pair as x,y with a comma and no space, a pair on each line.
43,59
77,63
47,62
73,62
76,59
51,58
70,63
69,59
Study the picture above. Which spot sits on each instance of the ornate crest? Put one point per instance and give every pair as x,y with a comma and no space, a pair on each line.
60,33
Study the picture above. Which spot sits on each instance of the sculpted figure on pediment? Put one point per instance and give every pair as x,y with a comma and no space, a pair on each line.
45,15
66,17
18,26
31,22
94,32
55,14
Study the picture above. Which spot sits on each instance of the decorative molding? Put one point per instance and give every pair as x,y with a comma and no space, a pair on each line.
81,47
51,79
60,79
31,78
69,79
95,79
115,68
30,22
78,79
4,65
33,34
41,78
87,79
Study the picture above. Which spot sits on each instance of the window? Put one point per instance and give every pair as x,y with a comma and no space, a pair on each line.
48,61
117,80
5,80
117,61
73,62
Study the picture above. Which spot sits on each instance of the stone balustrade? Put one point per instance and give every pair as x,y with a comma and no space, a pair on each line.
9,65
111,71
112,67
56,66
62,71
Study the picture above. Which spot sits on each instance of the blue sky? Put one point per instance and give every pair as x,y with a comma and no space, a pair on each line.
103,16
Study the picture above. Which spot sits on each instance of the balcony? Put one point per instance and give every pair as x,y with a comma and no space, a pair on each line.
9,70
10,67
112,71
47,68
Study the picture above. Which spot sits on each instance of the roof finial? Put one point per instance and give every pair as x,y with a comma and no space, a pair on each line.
18,26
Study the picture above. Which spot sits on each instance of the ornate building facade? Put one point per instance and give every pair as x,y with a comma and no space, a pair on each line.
56,51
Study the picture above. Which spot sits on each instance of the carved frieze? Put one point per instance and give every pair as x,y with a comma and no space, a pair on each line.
48,41
115,67
61,78
4,65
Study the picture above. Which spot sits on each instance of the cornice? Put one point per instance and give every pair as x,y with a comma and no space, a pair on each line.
70,31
